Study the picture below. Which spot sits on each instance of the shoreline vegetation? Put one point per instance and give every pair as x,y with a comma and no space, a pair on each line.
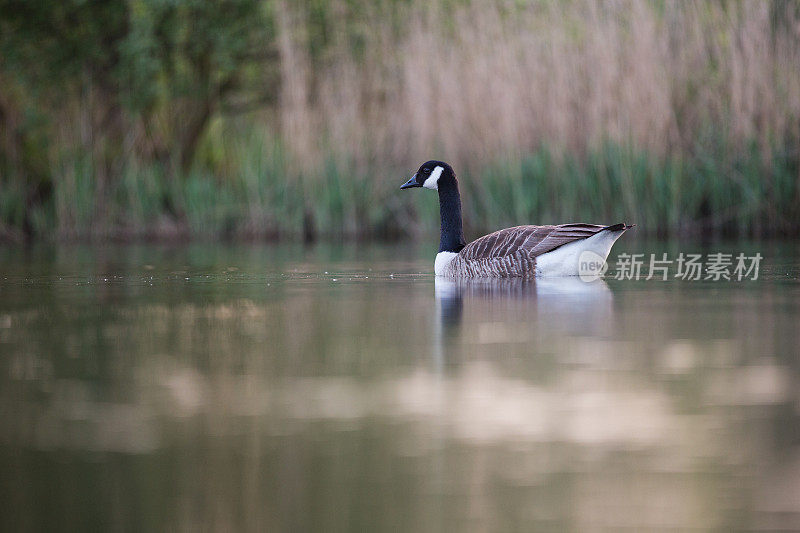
253,119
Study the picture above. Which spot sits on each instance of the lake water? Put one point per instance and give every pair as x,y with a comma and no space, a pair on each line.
339,388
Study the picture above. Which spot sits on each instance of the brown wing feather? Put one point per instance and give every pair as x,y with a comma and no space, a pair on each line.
531,240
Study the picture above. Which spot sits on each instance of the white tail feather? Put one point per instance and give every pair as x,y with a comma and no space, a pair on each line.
563,261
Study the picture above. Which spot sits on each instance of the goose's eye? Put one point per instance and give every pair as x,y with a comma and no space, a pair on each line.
426,171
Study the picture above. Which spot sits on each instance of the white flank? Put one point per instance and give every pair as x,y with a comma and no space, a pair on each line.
442,259
433,180
564,260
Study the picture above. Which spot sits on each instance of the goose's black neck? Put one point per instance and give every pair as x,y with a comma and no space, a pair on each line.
450,209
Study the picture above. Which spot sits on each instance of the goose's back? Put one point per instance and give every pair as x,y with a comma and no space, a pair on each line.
512,252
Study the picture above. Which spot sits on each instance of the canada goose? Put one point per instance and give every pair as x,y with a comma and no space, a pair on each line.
521,251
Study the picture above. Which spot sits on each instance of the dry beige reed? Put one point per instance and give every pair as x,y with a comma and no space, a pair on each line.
476,82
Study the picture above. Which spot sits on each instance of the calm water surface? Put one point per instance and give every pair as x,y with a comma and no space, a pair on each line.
282,388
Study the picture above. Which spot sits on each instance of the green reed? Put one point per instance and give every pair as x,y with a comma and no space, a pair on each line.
259,194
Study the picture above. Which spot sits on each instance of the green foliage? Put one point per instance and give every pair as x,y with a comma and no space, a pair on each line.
723,194
127,83
141,49
262,197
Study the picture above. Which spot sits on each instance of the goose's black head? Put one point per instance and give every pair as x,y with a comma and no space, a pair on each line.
439,176
432,175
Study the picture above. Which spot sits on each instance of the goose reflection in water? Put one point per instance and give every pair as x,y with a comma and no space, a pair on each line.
498,311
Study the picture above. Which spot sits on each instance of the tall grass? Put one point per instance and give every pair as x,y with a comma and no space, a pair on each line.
478,81
679,116
263,196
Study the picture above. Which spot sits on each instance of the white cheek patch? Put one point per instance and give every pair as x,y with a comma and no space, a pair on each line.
433,180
